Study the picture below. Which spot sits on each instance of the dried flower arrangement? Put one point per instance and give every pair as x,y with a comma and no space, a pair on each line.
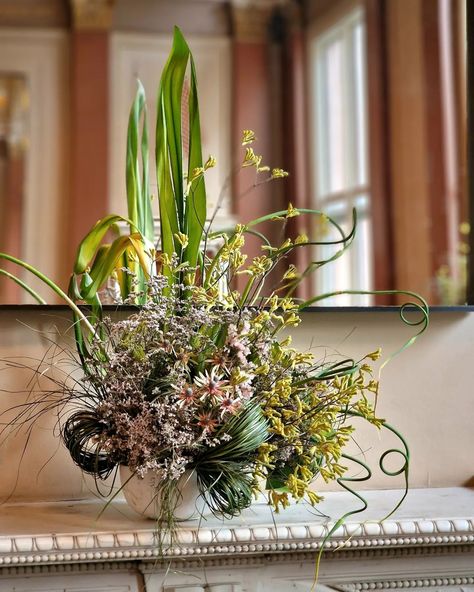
202,377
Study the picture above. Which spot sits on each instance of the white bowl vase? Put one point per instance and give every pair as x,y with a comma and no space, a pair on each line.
140,494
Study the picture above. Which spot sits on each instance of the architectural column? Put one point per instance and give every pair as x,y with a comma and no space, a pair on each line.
295,130
89,116
379,151
422,146
254,102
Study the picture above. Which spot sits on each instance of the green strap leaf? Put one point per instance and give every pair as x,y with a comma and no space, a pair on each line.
178,212
104,266
169,146
23,285
137,167
91,242
196,211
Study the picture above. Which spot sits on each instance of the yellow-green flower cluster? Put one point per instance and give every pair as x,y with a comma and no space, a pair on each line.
309,412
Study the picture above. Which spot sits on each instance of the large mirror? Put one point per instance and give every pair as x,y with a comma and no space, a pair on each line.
363,101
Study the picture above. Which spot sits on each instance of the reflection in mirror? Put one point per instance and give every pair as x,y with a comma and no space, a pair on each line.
14,121
388,136
362,101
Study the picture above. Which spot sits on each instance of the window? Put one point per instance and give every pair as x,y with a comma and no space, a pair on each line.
340,167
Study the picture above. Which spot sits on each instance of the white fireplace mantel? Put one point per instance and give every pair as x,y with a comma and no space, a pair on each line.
428,542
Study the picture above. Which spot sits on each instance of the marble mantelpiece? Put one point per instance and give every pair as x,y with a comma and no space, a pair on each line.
429,541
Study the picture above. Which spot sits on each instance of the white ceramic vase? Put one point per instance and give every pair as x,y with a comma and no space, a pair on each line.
140,494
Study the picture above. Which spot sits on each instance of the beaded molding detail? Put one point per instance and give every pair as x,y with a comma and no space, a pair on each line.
408,583
151,565
139,545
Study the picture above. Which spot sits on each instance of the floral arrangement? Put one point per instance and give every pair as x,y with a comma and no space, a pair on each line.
198,383
201,376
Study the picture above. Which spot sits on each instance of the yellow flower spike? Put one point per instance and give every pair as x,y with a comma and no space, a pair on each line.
292,211
250,158
314,498
210,163
164,259
273,303
301,239
259,265
238,377
304,358
278,499
263,369
299,407
278,426
181,238
263,169
373,386
237,242
288,304
296,486
291,273
292,320
322,225
197,172
375,355
238,259
306,473
289,414
248,136
325,474
279,174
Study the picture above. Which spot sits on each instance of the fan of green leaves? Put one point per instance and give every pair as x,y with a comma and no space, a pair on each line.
225,473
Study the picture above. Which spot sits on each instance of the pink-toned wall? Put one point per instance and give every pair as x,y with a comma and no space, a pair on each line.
89,133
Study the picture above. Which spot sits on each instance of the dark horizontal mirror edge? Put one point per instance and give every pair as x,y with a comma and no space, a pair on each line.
46,308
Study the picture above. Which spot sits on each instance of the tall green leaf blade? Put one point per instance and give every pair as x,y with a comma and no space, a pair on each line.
169,149
137,176
132,174
137,166
146,211
172,92
195,215
167,203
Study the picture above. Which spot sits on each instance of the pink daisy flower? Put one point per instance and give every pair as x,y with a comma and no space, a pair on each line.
207,422
229,405
186,396
210,384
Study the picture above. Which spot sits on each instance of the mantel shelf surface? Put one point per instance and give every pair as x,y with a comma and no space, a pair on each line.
65,532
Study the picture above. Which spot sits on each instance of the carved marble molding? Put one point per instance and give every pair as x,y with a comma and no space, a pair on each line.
437,520
222,541
67,569
408,583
